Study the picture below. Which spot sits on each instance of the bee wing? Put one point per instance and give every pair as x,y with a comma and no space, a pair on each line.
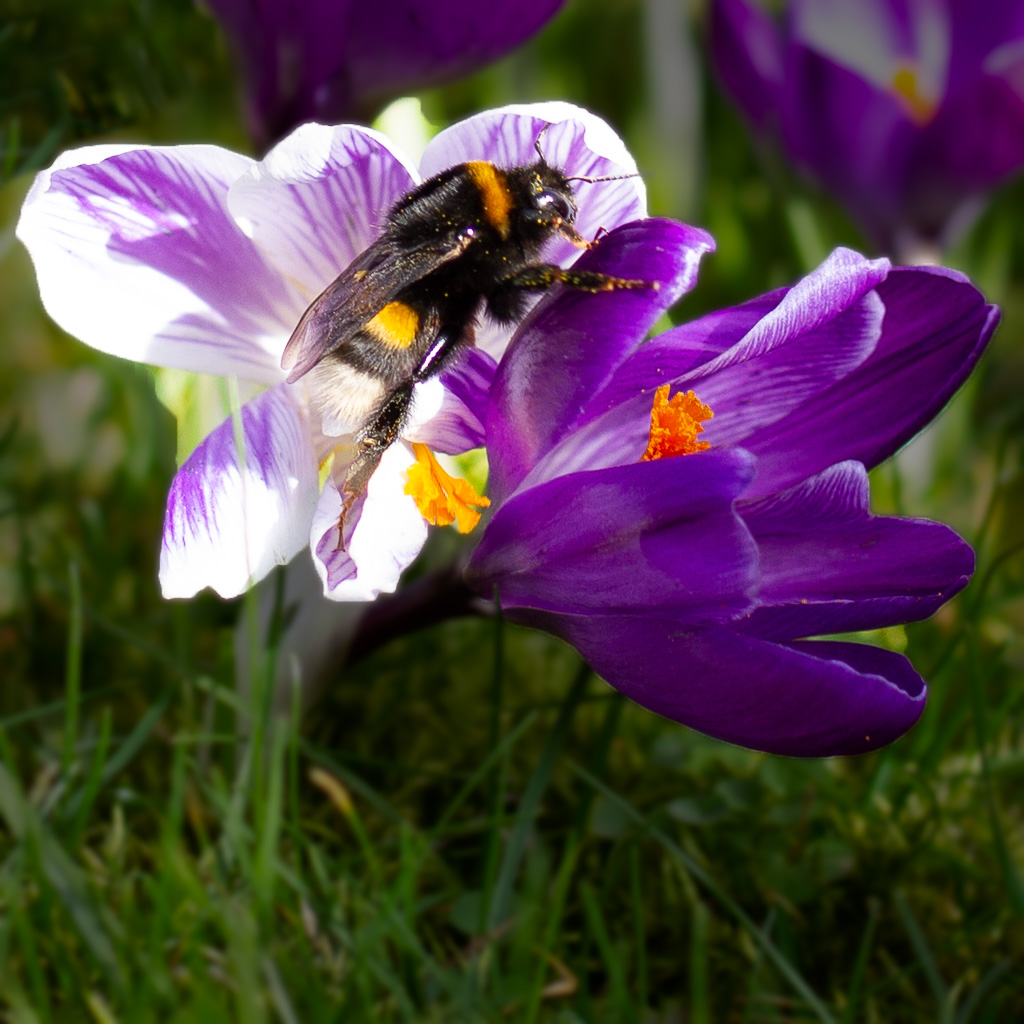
359,292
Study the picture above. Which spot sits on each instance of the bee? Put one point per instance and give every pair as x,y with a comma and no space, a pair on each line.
464,240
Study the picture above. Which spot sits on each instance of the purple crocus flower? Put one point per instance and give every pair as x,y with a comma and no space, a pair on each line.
200,259
692,582
907,112
337,60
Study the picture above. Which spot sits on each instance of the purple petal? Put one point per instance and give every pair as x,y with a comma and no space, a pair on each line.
569,346
658,535
936,326
232,516
459,425
292,58
332,60
136,255
975,140
829,566
810,699
761,387
574,140
747,52
318,199
668,356
407,45
989,43
822,329
903,165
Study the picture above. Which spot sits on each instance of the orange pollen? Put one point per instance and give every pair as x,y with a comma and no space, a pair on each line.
920,108
675,424
442,499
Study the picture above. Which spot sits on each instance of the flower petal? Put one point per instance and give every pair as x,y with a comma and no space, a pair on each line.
318,199
748,56
652,536
811,699
975,141
569,346
829,566
577,142
386,536
458,426
136,255
334,60
820,330
668,356
406,45
232,516
936,327
292,58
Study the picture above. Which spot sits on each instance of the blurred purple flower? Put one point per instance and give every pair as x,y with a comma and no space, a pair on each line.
337,60
691,582
906,112
200,259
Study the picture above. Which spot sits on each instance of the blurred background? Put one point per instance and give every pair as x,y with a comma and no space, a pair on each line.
468,826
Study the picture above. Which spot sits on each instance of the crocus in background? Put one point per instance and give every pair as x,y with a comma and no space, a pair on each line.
200,259
338,60
906,111
686,511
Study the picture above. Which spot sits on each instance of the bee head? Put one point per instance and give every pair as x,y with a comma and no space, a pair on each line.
553,202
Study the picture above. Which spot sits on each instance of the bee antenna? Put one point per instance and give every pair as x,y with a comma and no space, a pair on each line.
536,143
607,177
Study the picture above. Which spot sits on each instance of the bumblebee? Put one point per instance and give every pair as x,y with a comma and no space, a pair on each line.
464,240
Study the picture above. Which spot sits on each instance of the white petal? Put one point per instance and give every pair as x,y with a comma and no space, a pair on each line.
318,199
231,519
387,537
136,255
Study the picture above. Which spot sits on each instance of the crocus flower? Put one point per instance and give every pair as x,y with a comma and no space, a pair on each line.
200,259
906,112
688,511
336,60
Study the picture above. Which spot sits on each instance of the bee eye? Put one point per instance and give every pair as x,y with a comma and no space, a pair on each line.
556,204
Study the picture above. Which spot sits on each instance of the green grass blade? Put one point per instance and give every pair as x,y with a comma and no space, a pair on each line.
73,671
925,958
788,971
530,805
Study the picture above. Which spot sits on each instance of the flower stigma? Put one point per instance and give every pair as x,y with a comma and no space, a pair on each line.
442,499
905,84
675,424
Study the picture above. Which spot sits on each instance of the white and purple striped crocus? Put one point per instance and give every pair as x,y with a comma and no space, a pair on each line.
692,554
906,111
200,259
336,60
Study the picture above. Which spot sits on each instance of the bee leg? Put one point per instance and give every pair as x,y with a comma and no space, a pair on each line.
372,440
382,429
505,302
446,344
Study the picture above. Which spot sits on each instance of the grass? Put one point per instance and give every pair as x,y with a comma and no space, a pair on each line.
468,826
420,853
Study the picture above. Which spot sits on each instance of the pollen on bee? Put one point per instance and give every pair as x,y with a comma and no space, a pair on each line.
675,424
442,499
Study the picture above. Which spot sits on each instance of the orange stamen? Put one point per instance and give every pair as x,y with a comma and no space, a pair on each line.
920,108
675,425
442,499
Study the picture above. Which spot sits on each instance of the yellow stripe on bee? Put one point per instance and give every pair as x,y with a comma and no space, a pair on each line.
395,325
493,188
